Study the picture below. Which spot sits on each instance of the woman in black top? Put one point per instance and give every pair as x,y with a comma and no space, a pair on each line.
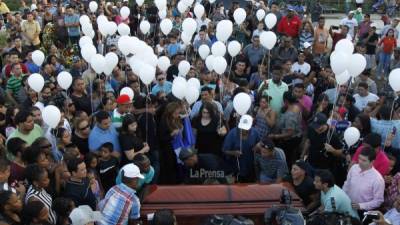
130,143
80,136
209,135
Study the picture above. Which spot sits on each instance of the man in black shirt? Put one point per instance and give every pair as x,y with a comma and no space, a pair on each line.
203,168
77,187
324,148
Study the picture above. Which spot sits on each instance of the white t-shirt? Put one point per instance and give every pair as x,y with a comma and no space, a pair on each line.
361,102
351,24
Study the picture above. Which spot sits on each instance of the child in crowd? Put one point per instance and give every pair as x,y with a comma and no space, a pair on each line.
108,166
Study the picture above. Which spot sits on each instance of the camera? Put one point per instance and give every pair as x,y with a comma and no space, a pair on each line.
286,198
369,217
335,27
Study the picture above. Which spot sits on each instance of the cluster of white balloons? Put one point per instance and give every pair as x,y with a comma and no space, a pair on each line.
344,63
188,90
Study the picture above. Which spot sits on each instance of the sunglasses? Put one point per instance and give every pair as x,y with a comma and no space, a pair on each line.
84,128
160,79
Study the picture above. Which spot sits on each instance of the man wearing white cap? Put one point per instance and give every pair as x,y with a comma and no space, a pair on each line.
121,205
84,215
238,148
351,22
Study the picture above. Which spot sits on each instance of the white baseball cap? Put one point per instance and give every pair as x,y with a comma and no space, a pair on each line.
131,171
245,123
84,214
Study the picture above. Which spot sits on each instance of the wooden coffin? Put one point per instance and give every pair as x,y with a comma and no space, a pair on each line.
193,203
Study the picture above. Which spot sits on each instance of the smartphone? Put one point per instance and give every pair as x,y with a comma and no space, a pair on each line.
335,27
394,131
371,216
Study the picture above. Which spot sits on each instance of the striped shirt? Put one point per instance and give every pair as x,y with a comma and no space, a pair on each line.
43,197
120,205
14,84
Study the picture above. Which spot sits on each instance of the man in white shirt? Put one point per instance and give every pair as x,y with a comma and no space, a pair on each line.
364,96
300,69
351,23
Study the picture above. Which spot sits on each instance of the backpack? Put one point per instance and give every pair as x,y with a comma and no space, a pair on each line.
284,216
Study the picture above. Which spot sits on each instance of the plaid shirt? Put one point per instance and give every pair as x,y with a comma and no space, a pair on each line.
120,205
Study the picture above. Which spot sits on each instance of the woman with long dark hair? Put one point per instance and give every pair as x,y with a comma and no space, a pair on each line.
209,134
130,142
170,126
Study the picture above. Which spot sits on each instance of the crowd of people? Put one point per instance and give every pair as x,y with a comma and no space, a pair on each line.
107,147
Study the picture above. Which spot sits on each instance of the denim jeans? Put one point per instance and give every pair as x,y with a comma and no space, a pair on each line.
384,62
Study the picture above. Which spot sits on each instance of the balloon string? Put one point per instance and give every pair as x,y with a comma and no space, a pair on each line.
391,117
240,150
146,112
230,67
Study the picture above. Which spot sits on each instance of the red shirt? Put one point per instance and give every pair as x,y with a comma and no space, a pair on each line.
290,27
335,38
7,70
381,162
389,43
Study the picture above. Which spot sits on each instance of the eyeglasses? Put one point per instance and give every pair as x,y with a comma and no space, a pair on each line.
84,128
113,50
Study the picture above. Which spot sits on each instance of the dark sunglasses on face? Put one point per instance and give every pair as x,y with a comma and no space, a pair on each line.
84,128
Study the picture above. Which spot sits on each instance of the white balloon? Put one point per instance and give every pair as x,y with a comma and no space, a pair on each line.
351,136
162,14
239,15
135,62
93,6
192,94
125,12
186,38
260,14
151,59
178,79
218,49
87,52
394,79
241,103
342,78
204,51
163,63
123,43
357,65
112,28
87,29
84,19
64,79
92,33
36,82
127,91
51,116
345,45
139,2
339,62
147,74
224,30
123,29
189,26
234,48
270,20
111,62
145,26
85,40
160,4
210,62
199,10
179,89
38,57
194,82
219,65
188,3
268,39
166,26
102,19
183,67
98,63
181,7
